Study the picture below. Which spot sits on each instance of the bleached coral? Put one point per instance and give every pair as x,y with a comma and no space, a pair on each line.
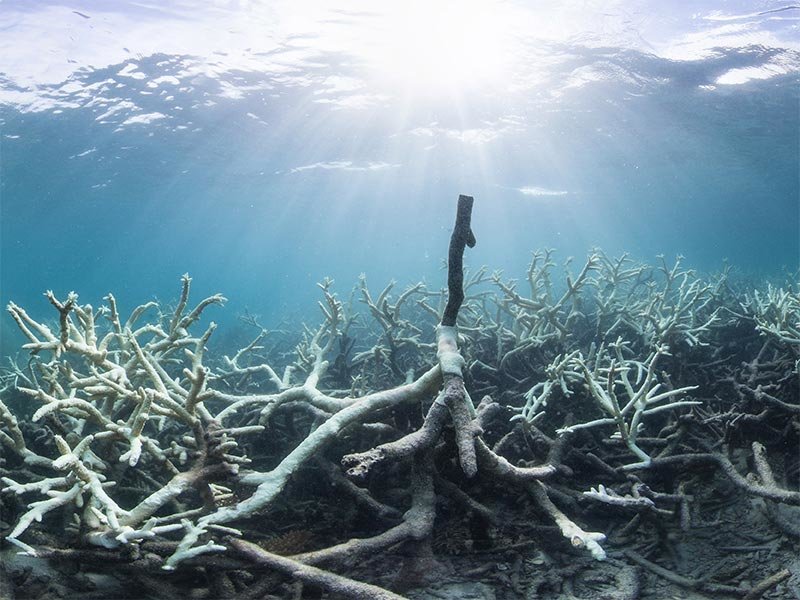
145,431
112,391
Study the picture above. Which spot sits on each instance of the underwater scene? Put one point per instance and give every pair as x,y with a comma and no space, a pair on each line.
424,300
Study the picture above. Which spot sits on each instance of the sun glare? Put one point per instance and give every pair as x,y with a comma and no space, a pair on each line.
427,46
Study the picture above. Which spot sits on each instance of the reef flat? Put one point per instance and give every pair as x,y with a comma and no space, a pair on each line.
605,429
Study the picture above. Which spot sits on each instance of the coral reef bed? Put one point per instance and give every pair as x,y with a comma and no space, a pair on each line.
605,430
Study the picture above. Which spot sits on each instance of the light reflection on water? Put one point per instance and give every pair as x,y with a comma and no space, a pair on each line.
261,146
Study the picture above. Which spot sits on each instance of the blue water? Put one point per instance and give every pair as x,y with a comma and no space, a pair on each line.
263,146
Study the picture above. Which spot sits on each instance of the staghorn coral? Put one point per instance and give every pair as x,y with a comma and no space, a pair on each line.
154,441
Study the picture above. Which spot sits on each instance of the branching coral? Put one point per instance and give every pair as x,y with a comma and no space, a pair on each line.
110,396
608,381
142,438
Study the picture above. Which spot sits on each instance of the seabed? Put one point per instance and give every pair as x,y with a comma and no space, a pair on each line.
605,429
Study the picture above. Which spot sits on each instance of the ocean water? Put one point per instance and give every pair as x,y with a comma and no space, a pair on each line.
261,146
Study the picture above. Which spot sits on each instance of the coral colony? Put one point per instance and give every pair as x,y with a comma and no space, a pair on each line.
532,411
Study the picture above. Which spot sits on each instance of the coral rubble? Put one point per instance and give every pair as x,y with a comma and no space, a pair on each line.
608,408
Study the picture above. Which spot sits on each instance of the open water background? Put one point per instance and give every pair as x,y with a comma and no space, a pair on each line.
263,146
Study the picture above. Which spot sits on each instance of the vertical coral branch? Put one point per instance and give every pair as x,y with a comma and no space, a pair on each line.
462,236
450,360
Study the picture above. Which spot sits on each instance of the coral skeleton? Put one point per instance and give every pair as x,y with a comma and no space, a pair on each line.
146,443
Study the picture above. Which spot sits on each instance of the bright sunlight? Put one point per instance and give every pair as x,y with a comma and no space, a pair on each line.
426,46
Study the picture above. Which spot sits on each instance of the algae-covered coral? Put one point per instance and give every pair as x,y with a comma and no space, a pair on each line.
611,412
